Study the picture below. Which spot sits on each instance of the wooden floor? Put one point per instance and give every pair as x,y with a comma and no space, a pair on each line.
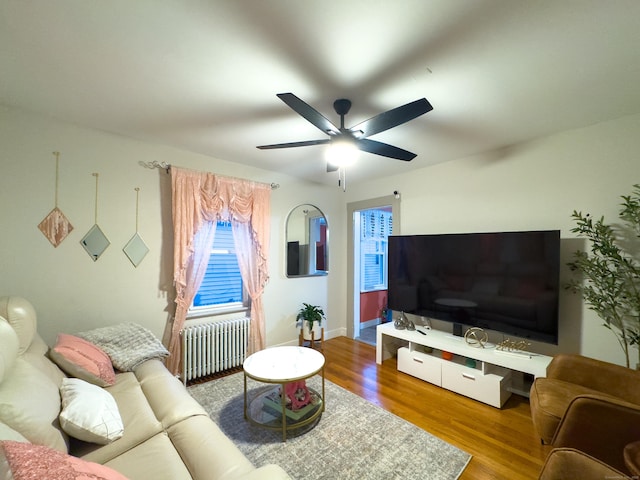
502,441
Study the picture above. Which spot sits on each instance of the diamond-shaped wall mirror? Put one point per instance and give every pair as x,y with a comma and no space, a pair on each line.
136,249
95,242
55,227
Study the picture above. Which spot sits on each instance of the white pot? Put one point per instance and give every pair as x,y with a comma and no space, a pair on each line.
306,333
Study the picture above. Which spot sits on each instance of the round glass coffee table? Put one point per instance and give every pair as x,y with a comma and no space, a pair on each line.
281,366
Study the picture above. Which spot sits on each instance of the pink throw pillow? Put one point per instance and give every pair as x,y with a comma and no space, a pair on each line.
82,359
25,460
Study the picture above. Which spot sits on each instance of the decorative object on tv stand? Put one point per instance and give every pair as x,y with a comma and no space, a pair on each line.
136,249
610,273
508,345
55,226
476,337
95,241
308,316
402,322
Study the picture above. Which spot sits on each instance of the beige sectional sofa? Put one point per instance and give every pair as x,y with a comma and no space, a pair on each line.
166,435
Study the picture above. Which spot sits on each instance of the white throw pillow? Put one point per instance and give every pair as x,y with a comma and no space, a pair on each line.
89,412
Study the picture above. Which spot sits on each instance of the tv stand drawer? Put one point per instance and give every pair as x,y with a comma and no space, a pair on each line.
487,388
420,365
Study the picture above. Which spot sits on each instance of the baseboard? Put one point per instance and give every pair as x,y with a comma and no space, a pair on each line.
328,334
370,323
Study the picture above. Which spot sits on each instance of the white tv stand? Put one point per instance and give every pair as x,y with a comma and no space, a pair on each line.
488,381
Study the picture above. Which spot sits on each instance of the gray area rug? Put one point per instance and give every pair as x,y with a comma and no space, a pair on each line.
354,439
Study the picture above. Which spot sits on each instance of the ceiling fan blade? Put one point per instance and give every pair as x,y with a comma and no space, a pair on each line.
294,144
309,113
393,118
384,149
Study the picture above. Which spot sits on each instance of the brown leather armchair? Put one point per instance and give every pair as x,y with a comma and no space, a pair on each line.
588,405
572,464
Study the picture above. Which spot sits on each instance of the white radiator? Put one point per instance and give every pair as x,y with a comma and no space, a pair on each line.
213,347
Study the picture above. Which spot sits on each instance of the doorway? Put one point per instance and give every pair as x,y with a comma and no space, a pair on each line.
371,222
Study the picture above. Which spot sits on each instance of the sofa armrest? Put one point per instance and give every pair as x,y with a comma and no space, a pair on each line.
600,427
602,376
569,464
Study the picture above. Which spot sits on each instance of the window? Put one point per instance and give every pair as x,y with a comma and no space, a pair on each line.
375,226
221,289
374,266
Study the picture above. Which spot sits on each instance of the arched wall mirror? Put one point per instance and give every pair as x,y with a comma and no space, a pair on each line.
307,242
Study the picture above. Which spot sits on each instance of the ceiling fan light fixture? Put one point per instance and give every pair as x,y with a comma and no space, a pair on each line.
342,152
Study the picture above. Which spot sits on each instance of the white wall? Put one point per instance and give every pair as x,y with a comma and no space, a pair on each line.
71,292
531,186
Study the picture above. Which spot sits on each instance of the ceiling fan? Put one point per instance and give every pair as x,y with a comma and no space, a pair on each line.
357,134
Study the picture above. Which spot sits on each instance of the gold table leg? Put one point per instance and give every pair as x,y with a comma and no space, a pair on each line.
283,398
245,396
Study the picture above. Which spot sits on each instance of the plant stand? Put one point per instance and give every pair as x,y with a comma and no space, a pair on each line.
313,341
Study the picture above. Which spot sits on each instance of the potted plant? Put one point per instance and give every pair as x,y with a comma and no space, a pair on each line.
309,315
610,282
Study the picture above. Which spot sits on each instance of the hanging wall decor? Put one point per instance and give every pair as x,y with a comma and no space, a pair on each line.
55,226
95,242
136,249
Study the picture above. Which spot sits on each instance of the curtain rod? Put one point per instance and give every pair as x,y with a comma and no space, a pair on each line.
167,168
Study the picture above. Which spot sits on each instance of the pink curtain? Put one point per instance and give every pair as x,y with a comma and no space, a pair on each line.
199,200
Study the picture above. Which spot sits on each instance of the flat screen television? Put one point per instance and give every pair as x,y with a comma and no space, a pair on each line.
504,281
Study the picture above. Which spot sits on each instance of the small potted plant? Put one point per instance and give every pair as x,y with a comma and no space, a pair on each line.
309,315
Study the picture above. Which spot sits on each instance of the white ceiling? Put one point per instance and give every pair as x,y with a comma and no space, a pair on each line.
203,75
